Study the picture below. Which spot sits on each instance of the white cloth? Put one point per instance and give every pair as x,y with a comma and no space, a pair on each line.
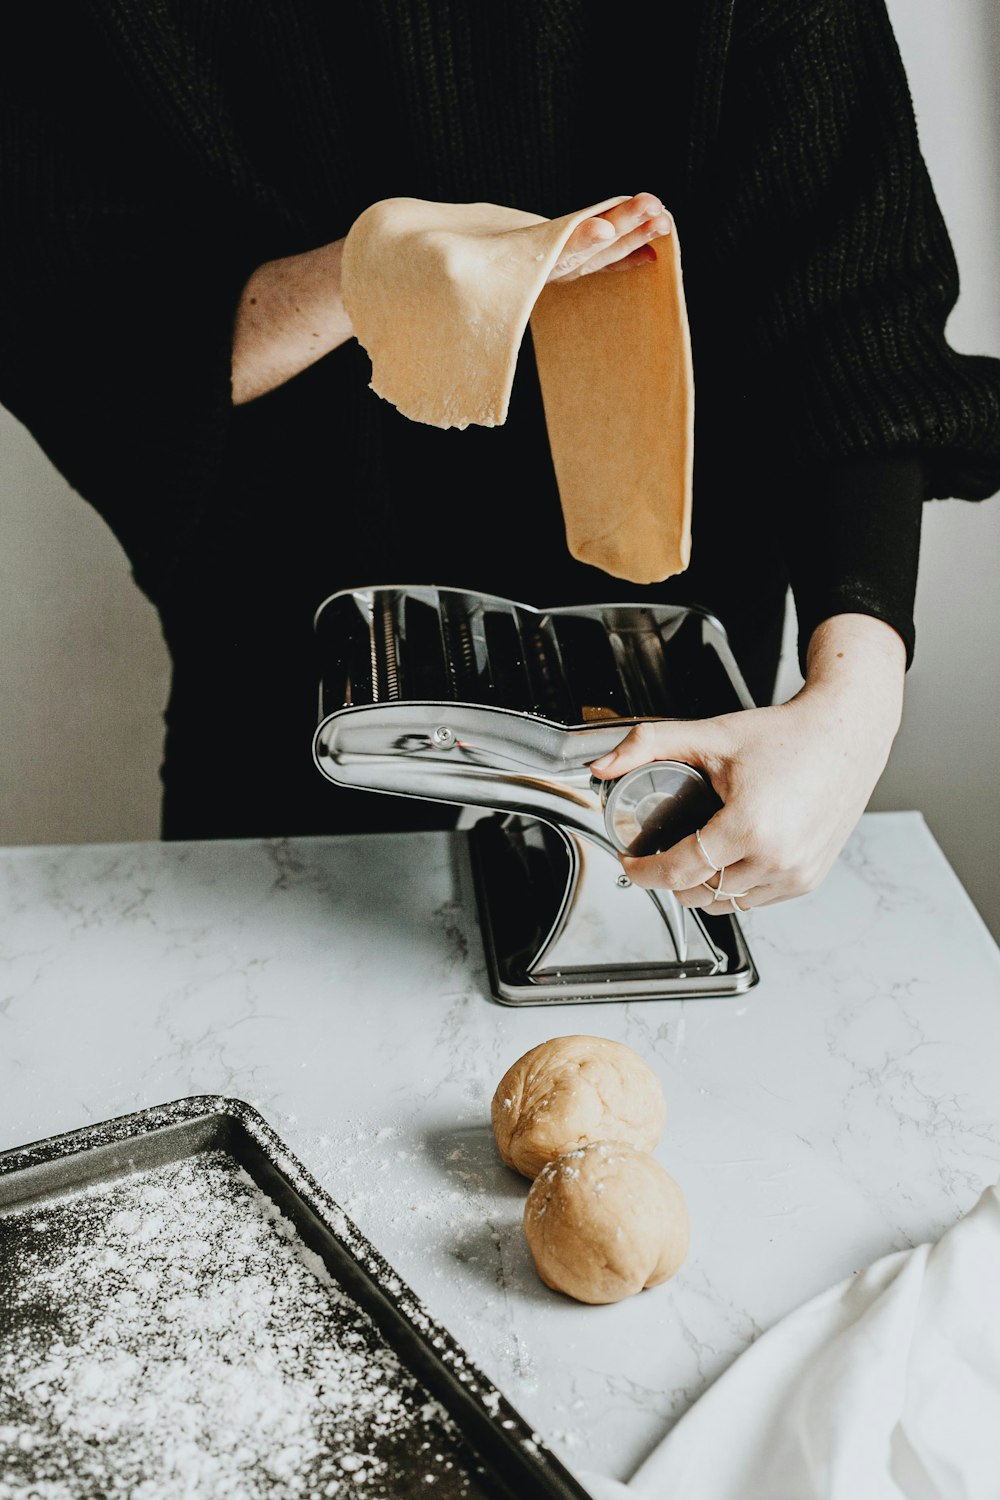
884,1387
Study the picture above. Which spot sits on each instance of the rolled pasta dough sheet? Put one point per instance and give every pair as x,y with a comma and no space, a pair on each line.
440,296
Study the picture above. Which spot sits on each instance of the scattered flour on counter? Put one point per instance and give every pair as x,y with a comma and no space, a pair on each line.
441,1206
170,1337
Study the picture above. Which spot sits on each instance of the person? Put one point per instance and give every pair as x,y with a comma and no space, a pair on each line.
178,179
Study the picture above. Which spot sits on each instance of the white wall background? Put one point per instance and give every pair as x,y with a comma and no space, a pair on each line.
84,673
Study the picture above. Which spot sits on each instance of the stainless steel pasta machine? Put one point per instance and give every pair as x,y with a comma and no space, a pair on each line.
471,699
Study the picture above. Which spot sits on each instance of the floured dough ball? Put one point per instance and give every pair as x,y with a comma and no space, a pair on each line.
605,1222
571,1090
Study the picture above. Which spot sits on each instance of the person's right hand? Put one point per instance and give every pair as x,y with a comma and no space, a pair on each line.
614,240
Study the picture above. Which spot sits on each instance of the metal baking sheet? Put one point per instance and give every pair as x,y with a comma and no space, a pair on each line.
185,1312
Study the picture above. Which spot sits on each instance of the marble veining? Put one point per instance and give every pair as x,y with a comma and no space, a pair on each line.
843,1108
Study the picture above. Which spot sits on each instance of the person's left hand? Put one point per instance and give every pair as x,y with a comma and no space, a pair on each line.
794,778
614,240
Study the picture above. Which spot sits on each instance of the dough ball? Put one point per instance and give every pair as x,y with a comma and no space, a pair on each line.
571,1090
605,1222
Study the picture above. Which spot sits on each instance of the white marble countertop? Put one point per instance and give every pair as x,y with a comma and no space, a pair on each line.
844,1107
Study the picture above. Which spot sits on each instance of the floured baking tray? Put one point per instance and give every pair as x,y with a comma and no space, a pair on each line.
185,1312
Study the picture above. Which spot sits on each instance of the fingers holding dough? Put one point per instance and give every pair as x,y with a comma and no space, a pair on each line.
440,296
613,238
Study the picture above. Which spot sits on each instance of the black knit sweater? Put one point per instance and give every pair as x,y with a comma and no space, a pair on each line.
155,151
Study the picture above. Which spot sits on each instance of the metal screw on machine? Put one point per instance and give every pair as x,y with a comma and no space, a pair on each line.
655,806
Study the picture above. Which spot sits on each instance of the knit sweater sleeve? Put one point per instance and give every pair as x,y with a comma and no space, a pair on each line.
116,332
838,275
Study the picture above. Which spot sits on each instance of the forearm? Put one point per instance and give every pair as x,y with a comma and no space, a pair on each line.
290,314
855,673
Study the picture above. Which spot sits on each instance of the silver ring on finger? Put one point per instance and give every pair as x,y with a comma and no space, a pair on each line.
736,904
705,854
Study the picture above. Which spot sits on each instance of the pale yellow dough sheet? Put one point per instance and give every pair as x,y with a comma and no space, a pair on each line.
440,295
